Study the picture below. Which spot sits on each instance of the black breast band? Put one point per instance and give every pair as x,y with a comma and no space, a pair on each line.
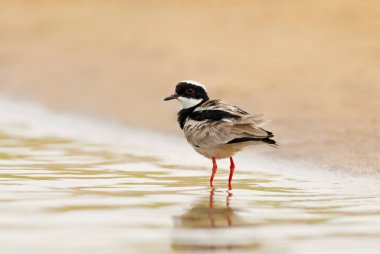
213,115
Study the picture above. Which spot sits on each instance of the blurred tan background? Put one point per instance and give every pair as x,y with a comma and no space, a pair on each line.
312,66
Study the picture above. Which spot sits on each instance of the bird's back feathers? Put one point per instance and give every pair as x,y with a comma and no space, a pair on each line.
215,122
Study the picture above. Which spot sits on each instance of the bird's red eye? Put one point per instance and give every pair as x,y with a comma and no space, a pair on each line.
190,90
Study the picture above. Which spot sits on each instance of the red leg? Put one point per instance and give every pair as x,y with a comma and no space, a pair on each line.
214,168
232,168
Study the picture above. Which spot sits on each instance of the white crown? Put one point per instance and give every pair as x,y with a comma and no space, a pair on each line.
194,83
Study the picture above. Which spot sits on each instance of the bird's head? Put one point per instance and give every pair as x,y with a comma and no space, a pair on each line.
189,93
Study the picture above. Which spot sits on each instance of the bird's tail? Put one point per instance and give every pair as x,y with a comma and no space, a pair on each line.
268,140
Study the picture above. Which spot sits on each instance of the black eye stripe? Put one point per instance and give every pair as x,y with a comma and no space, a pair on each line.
196,92
182,87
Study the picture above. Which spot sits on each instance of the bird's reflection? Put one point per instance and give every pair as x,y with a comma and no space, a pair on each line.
219,215
209,213
208,223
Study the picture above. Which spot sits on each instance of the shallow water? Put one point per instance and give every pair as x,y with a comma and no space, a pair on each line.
70,184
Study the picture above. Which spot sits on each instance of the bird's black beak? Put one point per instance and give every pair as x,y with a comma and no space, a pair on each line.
171,97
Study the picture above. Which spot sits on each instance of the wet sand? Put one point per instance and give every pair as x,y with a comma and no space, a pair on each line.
312,66
97,188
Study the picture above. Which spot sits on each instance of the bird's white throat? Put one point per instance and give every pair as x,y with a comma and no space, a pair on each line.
188,102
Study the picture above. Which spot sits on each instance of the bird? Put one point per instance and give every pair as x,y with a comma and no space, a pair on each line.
216,129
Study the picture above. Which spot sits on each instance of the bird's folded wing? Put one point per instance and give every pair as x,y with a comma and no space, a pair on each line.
216,122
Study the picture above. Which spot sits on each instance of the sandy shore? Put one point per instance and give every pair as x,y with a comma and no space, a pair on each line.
313,67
